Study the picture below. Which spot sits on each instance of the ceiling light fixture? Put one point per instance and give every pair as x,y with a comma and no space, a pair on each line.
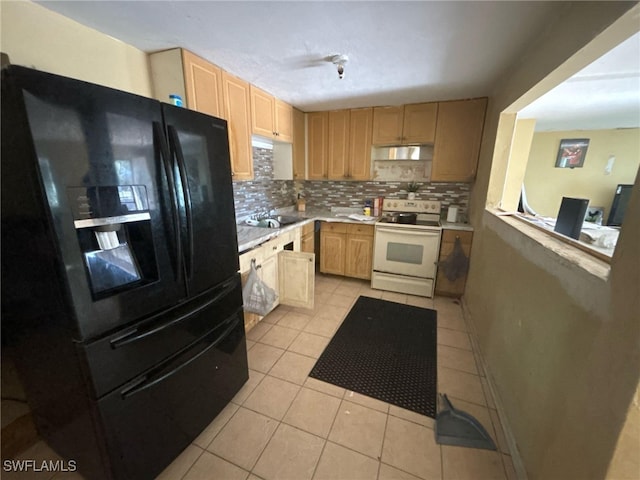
340,61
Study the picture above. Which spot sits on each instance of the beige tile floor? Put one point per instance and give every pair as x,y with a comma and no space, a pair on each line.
284,425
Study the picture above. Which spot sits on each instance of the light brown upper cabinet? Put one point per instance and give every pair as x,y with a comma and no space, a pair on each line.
317,135
360,132
299,153
458,137
283,121
338,148
237,112
262,107
198,82
270,117
407,124
349,144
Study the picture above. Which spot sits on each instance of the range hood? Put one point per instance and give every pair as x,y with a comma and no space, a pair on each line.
402,153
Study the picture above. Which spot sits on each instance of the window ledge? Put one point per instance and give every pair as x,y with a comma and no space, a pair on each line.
570,251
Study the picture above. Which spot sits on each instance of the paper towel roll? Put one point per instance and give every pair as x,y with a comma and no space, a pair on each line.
452,214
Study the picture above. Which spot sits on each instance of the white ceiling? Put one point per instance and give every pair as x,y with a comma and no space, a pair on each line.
399,52
605,94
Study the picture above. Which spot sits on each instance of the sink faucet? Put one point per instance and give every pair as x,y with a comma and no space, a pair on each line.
261,215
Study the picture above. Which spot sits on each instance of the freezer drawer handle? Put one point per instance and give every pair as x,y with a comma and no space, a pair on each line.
149,380
136,334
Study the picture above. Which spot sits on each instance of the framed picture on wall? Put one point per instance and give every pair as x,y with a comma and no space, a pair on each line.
572,152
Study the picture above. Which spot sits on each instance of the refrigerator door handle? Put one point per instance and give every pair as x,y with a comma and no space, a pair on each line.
164,153
135,335
176,147
152,378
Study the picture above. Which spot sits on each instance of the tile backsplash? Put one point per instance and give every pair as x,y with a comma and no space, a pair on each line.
328,194
265,193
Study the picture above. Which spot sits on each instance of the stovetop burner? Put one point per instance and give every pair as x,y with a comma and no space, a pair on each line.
424,213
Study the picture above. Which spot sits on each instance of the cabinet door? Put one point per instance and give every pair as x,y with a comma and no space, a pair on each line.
458,136
387,125
269,275
308,243
359,251
332,252
338,144
236,103
420,123
360,133
167,74
283,121
317,130
299,147
296,278
262,107
203,85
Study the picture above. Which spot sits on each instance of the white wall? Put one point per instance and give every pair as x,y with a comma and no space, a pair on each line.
35,37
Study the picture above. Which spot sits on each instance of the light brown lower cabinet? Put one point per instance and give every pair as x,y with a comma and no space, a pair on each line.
346,249
452,287
289,273
333,239
307,242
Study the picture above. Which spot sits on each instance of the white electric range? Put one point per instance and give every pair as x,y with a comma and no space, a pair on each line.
405,255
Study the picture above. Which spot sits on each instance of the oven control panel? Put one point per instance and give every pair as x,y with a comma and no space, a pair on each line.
413,206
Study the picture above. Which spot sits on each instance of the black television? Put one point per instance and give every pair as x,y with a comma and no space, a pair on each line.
619,205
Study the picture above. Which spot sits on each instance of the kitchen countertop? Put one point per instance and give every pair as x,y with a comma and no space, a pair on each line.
456,226
250,237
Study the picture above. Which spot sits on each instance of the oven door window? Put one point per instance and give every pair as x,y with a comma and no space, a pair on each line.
405,253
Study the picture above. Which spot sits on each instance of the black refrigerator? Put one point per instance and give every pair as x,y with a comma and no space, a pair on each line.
121,297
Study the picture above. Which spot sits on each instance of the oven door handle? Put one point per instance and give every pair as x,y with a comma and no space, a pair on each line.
408,231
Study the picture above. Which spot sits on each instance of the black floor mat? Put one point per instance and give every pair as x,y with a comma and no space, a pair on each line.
387,351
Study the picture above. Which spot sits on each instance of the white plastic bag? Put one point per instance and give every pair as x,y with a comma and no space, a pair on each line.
258,297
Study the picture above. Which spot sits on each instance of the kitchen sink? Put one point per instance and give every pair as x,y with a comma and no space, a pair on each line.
275,221
286,220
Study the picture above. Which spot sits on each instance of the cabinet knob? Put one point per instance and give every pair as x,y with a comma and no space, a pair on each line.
232,173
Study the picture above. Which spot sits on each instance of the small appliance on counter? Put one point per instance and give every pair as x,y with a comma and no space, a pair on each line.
452,214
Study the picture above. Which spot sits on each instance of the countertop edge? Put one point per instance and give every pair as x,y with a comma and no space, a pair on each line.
256,236
456,226
259,235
